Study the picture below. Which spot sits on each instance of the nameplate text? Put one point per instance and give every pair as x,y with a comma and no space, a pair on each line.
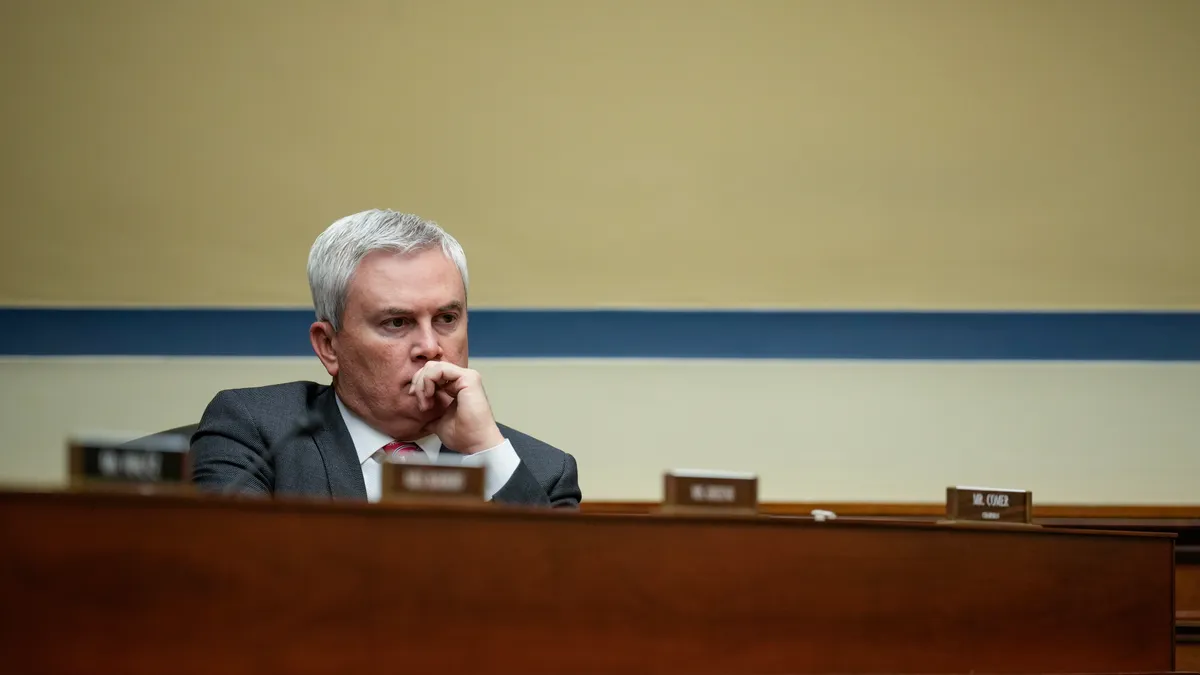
421,481
146,467
715,492
989,505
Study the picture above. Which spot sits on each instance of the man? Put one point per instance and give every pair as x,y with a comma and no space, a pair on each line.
390,292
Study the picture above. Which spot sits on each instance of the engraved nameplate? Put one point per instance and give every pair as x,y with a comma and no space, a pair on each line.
423,481
157,465
715,492
989,505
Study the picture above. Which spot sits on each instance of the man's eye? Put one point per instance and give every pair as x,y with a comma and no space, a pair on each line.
396,323
448,318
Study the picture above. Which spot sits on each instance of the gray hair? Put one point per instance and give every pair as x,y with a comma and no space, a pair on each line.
338,250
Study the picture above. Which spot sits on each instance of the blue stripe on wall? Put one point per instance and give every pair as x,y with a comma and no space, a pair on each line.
1094,336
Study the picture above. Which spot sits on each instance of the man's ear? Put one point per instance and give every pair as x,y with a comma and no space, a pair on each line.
322,336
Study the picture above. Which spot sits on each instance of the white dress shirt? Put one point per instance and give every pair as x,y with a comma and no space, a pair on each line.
498,463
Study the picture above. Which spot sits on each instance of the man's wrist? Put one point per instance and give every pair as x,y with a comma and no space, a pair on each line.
486,442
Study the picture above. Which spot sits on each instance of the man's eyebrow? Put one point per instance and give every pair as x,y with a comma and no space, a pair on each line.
396,311
455,306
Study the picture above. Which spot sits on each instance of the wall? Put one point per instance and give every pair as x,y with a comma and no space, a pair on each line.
1004,156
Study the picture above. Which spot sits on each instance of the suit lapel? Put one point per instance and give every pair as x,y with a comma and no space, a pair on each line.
337,450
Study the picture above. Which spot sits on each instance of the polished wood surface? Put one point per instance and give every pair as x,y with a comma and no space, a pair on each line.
1187,608
1182,520
117,583
1188,658
1187,591
1183,513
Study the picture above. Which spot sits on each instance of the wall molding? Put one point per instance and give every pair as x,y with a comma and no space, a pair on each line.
636,333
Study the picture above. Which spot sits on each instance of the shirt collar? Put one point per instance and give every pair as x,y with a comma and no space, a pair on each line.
367,440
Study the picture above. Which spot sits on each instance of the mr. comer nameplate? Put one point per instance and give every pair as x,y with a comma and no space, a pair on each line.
989,505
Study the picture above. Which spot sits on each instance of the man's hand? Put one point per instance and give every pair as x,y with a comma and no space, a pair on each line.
467,425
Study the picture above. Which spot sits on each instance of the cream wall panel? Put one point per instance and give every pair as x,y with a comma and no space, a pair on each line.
866,153
901,431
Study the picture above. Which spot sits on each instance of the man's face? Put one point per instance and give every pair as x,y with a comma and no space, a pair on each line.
401,312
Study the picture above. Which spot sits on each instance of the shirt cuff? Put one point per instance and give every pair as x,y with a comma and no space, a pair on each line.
499,463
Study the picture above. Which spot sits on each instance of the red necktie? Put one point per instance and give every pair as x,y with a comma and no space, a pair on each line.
397,449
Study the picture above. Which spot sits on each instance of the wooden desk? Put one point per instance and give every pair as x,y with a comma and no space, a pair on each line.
1187,569
1187,607
1181,520
128,584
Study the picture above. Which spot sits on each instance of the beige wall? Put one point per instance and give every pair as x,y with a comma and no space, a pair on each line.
667,153
1073,433
860,153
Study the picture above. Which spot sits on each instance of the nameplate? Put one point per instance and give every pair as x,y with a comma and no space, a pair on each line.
710,492
424,481
989,505
147,467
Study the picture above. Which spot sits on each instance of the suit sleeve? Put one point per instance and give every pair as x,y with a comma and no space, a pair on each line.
523,487
566,492
228,449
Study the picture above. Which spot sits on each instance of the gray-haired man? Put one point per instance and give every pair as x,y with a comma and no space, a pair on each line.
390,292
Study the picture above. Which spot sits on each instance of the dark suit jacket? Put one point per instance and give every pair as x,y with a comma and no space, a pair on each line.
229,448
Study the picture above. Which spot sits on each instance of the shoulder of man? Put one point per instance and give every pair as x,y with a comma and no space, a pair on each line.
268,406
297,393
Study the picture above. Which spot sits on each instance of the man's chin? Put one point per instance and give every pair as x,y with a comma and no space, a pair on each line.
424,422
414,423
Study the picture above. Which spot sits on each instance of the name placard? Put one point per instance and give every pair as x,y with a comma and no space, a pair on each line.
989,505
710,492
425,481
148,467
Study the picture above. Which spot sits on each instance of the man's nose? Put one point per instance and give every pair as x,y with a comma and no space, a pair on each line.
426,346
